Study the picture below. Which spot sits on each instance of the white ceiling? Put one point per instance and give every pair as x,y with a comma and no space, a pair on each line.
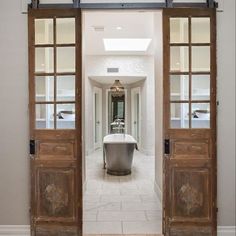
138,24
123,79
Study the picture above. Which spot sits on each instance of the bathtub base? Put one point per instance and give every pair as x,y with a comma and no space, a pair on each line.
118,173
118,158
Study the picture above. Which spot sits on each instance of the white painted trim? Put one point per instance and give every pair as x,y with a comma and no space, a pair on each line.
136,90
24,230
158,191
98,91
226,230
24,6
15,230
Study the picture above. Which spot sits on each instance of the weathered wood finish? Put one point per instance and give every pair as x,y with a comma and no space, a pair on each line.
189,206
56,167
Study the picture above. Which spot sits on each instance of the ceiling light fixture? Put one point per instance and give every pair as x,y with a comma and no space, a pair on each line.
127,44
117,88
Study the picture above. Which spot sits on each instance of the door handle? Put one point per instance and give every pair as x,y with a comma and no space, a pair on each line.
32,147
167,146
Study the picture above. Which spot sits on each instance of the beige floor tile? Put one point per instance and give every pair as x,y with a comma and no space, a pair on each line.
121,204
121,216
144,206
103,228
146,227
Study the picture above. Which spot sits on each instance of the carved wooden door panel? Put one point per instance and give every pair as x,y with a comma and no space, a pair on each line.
55,122
189,122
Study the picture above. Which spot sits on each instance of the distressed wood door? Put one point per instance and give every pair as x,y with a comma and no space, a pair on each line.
55,122
189,206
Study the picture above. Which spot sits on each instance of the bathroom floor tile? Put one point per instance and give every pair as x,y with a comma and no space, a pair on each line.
121,216
144,206
90,215
120,198
121,204
103,228
146,227
154,215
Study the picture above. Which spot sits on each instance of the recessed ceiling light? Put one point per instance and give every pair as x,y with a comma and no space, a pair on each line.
138,45
119,28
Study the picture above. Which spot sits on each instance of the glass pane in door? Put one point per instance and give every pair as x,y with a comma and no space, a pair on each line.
179,113
44,114
179,87
66,116
65,30
200,115
179,30
43,31
44,60
200,29
179,59
66,88
65,59
200,58
44,88
200,87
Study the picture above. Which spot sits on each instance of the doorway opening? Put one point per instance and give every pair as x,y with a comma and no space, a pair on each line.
124,46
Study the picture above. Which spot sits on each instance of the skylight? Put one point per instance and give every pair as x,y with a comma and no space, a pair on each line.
127,45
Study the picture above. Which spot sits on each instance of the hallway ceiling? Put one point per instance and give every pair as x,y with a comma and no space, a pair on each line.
100,25
123,79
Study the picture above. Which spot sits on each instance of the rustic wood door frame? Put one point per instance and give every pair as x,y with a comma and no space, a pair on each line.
189,173
56,153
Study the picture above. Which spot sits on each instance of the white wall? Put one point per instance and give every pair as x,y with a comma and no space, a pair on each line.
129,66
159,102
14,161
226,112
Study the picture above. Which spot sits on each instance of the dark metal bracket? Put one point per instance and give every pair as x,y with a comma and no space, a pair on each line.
32,147
139,5
167,146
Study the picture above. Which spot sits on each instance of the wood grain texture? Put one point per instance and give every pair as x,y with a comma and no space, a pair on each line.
189,186
56,167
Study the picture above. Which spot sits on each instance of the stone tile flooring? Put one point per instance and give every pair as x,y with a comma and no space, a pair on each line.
121,204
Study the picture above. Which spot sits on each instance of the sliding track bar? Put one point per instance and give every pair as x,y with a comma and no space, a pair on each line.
137,5
122,5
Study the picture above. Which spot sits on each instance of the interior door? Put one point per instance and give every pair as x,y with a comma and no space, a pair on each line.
135,116
55,122
189,122
97,117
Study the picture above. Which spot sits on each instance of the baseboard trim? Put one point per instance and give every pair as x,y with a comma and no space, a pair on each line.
226,230
14,230
158,191
24,230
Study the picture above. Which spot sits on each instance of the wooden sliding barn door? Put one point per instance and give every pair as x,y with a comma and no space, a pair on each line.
189,122
55,122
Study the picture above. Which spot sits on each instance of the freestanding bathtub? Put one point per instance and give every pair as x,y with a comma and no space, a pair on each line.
118,152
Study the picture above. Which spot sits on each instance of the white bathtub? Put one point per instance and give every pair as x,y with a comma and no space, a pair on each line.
119,138
118,153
